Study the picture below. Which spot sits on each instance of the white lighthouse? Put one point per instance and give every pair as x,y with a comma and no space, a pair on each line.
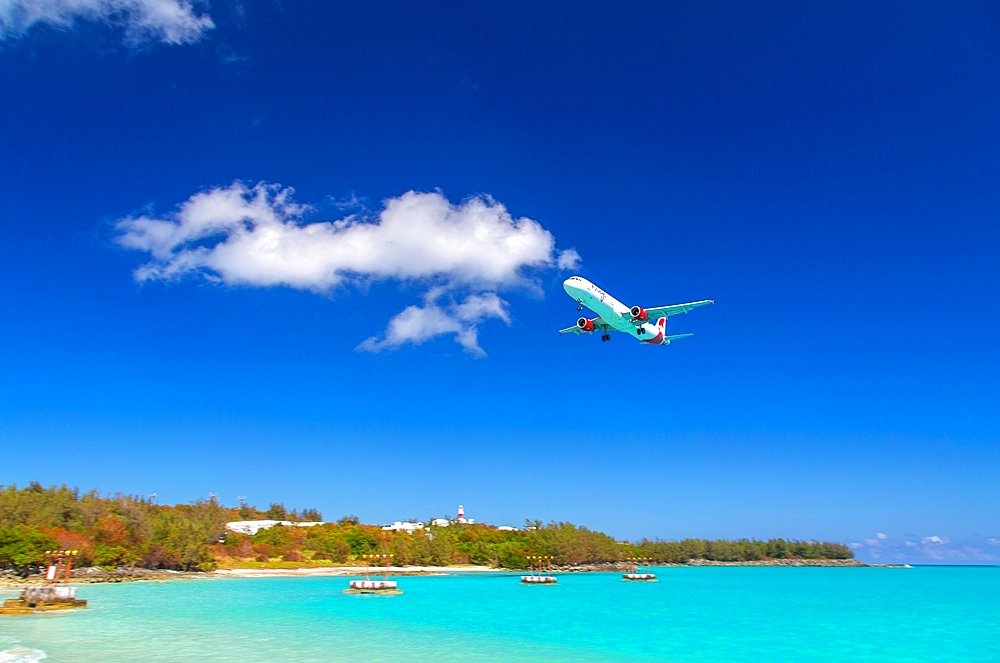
461,513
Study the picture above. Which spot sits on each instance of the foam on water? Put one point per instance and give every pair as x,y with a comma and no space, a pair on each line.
12,652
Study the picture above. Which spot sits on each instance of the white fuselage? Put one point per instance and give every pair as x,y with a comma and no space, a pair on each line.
612,312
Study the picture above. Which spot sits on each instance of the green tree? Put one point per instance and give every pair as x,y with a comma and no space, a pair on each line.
276,512
23,547
328,542
178,542
312,515
360,541
113,556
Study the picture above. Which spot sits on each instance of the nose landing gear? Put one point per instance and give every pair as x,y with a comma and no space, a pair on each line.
579,305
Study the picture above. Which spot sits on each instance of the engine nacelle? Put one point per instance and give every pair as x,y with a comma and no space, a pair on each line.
639,314
585,325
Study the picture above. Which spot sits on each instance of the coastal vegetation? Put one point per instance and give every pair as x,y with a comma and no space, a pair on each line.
114,531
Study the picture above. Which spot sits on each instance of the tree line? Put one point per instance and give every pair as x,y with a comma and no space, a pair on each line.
128,531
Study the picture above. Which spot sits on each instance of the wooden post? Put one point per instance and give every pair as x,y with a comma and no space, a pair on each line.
50,573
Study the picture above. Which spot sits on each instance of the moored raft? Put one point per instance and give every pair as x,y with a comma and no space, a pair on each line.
543,576
369,586
373,587
538,580
42,599
637,573
51,596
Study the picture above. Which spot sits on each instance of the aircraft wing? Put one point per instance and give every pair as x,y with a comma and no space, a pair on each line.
674,309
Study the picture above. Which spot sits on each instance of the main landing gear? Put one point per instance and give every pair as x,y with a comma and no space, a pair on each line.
606,337
579,305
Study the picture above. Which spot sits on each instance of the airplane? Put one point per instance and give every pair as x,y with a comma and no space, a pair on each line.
612,315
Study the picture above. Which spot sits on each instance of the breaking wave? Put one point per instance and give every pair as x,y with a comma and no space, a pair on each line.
15,653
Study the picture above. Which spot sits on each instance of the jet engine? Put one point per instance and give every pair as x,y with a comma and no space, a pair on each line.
585,324
639,314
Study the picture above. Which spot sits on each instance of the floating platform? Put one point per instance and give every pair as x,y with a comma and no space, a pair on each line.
373,587
15,607
43,599
643,577
538,580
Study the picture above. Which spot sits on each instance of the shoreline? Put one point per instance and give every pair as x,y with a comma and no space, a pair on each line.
352,571
97,575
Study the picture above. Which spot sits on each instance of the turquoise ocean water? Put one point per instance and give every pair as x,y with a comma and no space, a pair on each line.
694,615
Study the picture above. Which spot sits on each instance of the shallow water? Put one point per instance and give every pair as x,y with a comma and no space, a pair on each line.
694,615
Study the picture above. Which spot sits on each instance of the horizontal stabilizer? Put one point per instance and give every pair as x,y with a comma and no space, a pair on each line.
676,336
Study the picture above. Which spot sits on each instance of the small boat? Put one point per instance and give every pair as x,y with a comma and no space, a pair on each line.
373,587
538,580
55,595
43,599
544,575
369,586
638,574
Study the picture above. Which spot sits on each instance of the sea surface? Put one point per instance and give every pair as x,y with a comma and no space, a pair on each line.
693,615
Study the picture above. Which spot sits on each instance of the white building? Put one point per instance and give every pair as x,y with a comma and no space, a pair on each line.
408,527
251,527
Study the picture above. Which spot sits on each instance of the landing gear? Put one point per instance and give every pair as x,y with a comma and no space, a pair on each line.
606,337
640,331
579,305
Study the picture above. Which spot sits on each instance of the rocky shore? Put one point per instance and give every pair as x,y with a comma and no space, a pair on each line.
781,562
625,566
95,574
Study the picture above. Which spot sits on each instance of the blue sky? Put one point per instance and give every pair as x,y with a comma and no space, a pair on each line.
828,174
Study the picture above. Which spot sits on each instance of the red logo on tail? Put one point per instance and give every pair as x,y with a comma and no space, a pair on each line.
661,329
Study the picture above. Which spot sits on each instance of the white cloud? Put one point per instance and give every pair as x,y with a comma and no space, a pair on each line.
568,259
168,21
929,549
256,236
416,324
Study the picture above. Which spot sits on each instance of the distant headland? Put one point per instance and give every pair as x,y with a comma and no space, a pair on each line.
123,537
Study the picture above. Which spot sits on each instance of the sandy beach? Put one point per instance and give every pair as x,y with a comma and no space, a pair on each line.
351,571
